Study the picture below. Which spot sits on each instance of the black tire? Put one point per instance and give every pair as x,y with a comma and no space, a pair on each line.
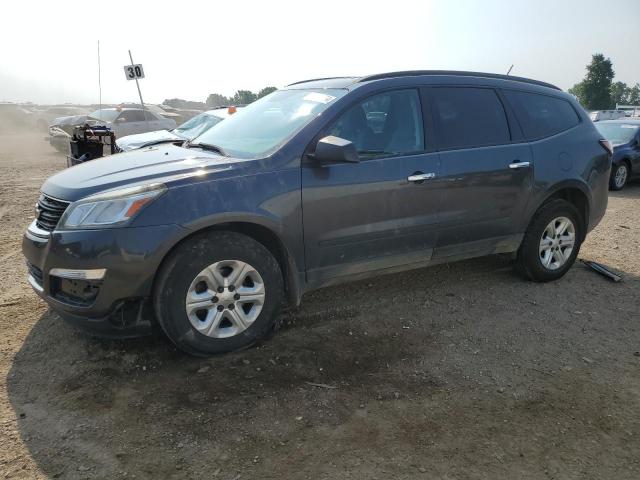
528,261
613,185
183,265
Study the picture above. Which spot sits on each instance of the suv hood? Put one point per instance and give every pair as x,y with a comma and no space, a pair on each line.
148,165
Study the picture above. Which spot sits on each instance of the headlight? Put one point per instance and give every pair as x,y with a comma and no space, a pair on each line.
110,208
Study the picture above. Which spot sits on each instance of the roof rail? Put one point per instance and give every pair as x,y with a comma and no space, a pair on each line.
319,79
415,73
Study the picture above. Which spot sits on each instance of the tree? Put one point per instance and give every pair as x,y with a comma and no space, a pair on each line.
594,92
216,100
243,97
266,91
619,94
578,91
634,95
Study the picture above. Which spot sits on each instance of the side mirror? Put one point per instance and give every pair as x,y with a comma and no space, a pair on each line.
336,150
121,119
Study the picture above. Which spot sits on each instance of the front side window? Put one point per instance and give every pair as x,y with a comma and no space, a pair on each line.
468,117
541,115
386,124
108,115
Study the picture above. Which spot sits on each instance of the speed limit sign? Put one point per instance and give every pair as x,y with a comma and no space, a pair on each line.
133,71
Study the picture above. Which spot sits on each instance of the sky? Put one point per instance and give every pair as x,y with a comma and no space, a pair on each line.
48,50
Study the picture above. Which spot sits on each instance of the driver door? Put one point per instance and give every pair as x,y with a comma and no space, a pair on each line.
380,213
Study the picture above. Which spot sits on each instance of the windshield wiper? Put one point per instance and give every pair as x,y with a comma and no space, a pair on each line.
166,140
207,146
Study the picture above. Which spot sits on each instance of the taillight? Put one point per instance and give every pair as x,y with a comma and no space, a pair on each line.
606,144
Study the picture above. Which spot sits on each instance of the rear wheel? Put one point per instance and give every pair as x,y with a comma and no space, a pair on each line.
551,243
217,293
619,176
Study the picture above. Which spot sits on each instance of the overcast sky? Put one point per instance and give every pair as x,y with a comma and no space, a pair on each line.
190,49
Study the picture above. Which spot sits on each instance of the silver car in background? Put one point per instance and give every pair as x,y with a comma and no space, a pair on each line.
122,121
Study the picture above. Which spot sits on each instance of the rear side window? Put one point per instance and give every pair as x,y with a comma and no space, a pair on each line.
132,116
468,117
540,115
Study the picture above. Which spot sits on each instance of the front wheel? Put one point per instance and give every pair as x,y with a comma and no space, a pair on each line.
619,176
218,292
551,243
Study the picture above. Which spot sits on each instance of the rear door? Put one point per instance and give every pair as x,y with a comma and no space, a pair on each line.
486,171
379,213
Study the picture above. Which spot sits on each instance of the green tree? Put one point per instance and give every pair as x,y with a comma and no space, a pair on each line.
595,90
634,95
216,100
578,91
266,91
619,94
243,97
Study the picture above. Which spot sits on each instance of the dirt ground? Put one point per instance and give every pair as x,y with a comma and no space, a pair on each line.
460,371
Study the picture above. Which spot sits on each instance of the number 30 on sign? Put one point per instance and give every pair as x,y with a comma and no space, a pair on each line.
133,71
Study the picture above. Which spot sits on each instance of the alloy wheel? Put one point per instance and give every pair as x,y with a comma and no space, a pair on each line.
557,243
225,298
621,175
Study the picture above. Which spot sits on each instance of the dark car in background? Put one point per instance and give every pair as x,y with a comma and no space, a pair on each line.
319,183
624,135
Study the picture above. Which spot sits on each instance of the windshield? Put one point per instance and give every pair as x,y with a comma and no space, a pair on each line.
618,133
197,125
106,115
258,129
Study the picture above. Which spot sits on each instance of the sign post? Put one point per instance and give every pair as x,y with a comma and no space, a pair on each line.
134,72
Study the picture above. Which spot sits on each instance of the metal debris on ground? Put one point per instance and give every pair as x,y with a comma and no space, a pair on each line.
602,270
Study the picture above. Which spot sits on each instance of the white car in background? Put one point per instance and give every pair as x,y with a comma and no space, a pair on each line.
600,115
187,131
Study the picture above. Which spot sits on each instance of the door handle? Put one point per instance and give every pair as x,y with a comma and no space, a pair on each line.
518,164
420,177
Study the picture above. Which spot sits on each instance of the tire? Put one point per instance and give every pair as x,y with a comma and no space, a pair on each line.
619,176
188,270
532,255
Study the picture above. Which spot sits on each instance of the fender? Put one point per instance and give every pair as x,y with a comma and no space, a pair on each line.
245,222
539,197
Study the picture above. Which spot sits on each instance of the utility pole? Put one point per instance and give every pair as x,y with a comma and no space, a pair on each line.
139,93
99,80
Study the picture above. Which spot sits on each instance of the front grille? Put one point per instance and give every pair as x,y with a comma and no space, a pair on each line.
48,212
35,272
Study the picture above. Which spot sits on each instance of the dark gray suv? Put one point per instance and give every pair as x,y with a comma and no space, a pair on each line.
322,182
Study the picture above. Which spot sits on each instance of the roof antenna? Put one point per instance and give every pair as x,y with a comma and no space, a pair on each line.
99,80
509,71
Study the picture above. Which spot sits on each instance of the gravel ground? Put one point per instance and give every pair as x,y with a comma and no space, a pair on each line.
460,371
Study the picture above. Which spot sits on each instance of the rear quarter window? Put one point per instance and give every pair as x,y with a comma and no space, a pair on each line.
541,115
